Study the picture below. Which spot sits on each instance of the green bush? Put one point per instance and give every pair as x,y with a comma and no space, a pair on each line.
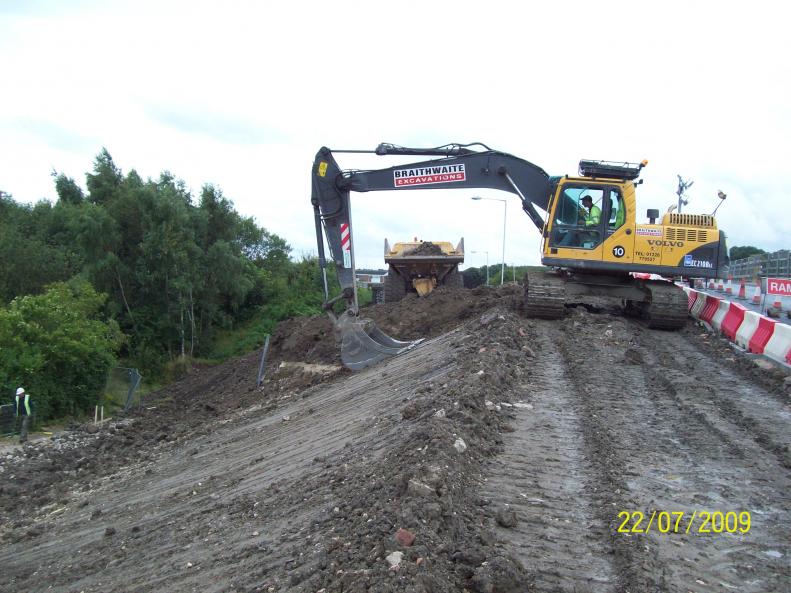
58,346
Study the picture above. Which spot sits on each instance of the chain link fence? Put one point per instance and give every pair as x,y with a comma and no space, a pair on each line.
123,388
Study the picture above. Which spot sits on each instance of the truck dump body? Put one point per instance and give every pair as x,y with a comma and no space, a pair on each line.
421,266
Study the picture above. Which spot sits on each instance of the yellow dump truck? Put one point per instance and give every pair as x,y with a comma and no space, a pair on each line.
421,266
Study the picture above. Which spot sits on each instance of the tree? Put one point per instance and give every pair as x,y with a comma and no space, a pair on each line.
174,272
30,255
744,252
106,179
68,191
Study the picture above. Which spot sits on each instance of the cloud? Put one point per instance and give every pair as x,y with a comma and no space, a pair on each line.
217,126
55,135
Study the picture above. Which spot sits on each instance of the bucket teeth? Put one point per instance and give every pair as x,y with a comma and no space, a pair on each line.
364,344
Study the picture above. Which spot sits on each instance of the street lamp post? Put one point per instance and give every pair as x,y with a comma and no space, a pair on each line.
505,212
487,264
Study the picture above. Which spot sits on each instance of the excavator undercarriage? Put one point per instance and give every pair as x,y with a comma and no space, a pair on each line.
660,303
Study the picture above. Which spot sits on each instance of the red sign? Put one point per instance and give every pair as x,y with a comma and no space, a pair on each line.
778,286
429,175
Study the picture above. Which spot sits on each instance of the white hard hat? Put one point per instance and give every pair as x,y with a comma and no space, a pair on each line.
20,391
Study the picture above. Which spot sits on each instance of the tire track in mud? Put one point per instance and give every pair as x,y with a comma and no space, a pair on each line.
544,477
670,446
600,401
734,459
759,414
629,419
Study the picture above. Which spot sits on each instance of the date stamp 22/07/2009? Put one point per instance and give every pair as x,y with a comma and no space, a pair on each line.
684,522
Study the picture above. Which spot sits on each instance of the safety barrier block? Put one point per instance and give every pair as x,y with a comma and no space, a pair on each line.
754,332
779,345
732,320
719,315
762,335
692,296
710,307
747,329
698,305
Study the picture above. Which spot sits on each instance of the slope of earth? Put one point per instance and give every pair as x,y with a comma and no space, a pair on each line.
305,489
303,353
494,457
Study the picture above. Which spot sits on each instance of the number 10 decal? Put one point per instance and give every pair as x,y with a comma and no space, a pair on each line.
618,251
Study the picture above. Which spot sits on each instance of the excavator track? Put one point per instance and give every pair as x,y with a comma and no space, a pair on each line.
667,308
545,295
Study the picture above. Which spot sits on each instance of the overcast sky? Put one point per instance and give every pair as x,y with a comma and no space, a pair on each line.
243,94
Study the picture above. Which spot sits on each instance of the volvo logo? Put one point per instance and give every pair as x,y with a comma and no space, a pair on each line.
665,243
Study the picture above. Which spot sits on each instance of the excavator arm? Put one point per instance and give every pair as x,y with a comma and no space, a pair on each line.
457,167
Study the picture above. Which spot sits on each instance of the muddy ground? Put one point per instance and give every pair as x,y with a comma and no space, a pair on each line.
494,457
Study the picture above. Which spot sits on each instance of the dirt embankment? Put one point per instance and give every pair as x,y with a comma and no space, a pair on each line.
494,458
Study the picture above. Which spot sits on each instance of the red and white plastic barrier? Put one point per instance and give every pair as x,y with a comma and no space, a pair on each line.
698,305
747,328
763,333
753,332
712,304
732,320
719,315
777,344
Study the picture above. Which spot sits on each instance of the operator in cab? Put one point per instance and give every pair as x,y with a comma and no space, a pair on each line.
592,217
589,218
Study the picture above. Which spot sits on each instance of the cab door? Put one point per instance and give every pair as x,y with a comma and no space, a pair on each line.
577,232
618,226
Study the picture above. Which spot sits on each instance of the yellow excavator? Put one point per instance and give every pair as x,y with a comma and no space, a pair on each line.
592,243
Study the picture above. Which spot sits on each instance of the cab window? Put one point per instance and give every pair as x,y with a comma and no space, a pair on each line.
578,217
617,213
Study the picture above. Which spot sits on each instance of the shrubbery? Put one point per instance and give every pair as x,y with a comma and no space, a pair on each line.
59,346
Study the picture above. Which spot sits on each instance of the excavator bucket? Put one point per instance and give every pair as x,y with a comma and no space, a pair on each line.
364,344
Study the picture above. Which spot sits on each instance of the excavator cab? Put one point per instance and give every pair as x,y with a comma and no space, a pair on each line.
576,225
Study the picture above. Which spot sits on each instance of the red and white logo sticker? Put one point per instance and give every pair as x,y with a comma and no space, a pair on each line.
778,286
429,175
649,232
